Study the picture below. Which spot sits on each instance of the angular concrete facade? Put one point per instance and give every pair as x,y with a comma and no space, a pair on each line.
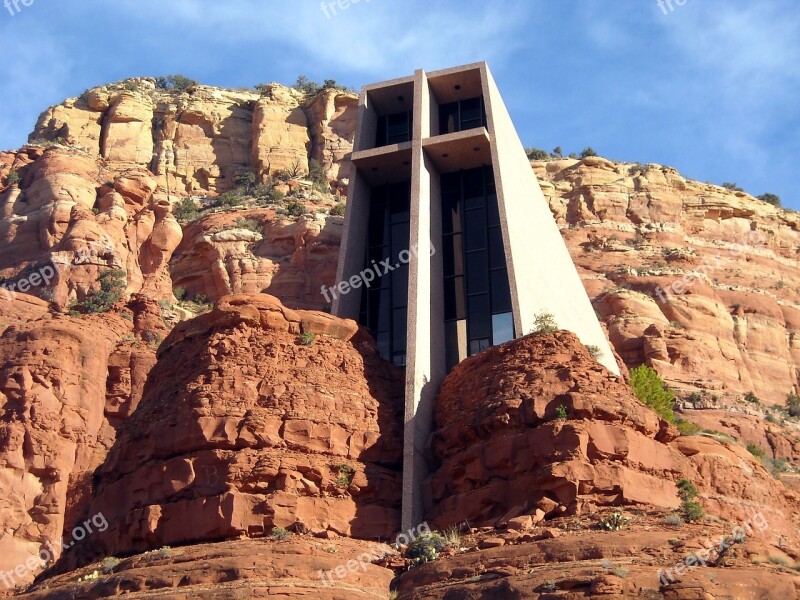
417,136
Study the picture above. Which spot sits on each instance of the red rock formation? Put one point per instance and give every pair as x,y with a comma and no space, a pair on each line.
242,428
289,258
504,452
65,384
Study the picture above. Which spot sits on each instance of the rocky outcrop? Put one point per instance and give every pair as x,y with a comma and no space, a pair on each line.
243,428
634,231
65,385
537,427
71,219
232,570
288,258
199,139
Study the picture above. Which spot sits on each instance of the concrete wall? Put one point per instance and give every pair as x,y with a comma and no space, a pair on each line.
541,272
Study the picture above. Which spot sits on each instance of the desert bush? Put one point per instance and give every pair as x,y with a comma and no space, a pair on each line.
112,284
13,178
651,390
246,182
316,173
178,83
307,338
673,520
770,199
338,210
557,152
110,563
691,510
755,451
614,522
249,224
587,152
280,534
595,351
545,323
344,476
687,428
751,397
296,209
793,405
425,548
537,154
732,187
561,413
186,211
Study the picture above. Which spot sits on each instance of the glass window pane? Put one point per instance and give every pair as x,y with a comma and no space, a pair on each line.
400,287
501,292
453,257
448,118
383,340
400,239
399,330
471,113
398,128
454,299
451,212
479,319
381,133
475,229
497,256
473,183
502,328
399,359
494,213
477,272
479,345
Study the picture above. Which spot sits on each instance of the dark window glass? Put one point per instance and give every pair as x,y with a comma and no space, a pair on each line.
479,319
471,114
384,343
398,128
451,183
454,307
453,258
475,230
477,273
399,359
501,292
494,213
400,287
451,212
497,256
400,238
448,118
380,139
479,345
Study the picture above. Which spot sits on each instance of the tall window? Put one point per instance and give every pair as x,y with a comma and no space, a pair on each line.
394,129
477,295
384,305
462,115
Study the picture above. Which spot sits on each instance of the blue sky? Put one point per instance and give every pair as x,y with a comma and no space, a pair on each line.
711,87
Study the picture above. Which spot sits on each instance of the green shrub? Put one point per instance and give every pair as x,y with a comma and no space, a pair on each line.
179,292
557,152
229,200
687,428
249,224
595,351
751,397
178,83
316,173
732,187
13,178
110,563
770,199
755,451
793,405
614,522
651,390
587,152
690,508
246,182
425,548
338,210
673,520
545,323
280,534
344,476
112,285
186,211
561,412
537,154
296,209
307,338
